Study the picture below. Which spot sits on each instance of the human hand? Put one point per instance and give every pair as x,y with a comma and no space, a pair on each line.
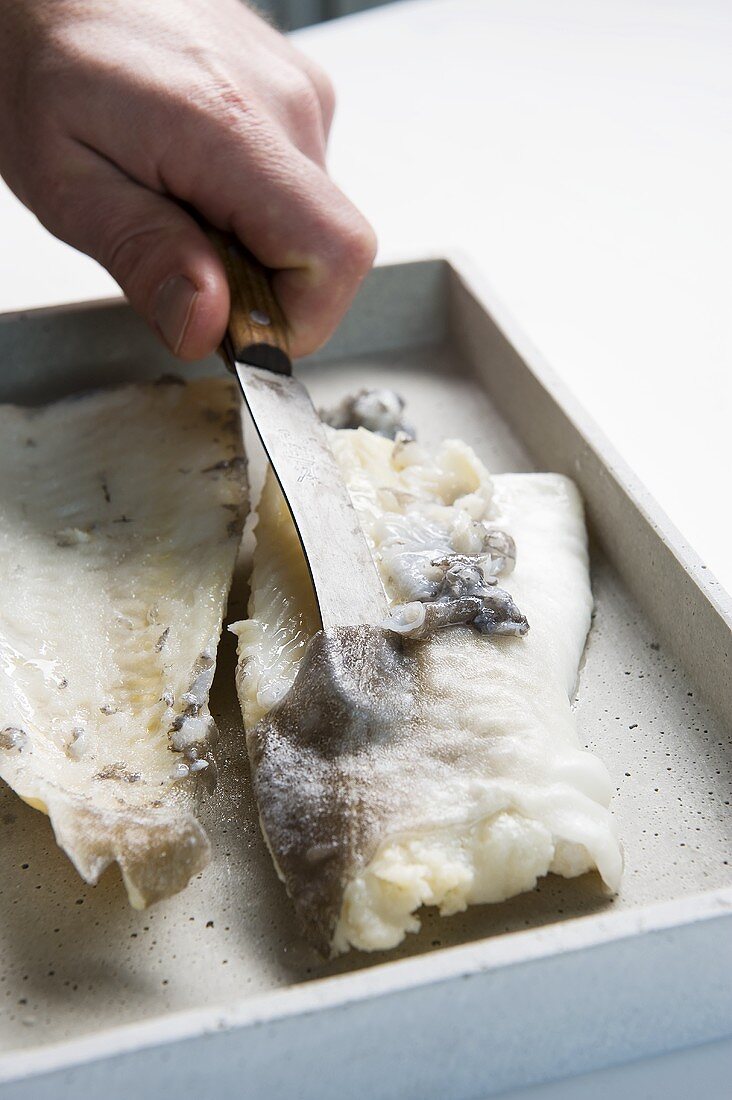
112,114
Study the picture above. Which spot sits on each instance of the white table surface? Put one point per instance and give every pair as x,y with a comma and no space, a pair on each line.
581,152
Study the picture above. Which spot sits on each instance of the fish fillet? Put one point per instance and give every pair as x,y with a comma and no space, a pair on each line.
120,517
473,784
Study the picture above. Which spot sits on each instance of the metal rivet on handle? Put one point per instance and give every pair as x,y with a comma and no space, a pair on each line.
260,317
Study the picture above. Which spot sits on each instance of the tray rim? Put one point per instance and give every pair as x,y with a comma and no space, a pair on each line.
463,960
396,976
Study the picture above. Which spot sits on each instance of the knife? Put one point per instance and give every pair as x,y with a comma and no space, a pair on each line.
347,585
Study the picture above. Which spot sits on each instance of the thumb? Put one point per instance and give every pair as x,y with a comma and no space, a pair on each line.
160,257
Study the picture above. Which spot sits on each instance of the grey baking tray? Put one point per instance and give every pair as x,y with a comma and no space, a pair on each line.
212,993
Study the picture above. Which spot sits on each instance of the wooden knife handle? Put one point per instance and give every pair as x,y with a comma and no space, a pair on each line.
257,331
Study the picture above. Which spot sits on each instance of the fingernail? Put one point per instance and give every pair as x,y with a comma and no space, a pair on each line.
173,309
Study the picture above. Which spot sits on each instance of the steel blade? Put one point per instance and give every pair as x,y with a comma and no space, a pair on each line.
345,578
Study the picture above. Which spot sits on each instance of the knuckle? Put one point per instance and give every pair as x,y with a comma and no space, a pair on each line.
324,90
301,98
219,100
356,246
226,99
319,80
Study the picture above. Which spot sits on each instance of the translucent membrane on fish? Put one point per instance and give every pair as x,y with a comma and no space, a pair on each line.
120,517
393,772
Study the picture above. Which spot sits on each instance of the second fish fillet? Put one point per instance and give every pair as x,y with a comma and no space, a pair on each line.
392,773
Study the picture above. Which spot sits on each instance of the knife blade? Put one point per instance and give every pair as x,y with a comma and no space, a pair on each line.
345,579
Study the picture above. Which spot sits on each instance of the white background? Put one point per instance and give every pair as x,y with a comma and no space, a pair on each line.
581,152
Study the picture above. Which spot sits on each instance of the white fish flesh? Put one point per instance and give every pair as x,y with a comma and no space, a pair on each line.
392,773
120,516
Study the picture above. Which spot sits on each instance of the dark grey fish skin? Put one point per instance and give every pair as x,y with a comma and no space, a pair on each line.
379,411
466,593
354,752
313,757
491,612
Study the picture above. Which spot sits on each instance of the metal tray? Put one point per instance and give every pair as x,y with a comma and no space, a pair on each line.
212,992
